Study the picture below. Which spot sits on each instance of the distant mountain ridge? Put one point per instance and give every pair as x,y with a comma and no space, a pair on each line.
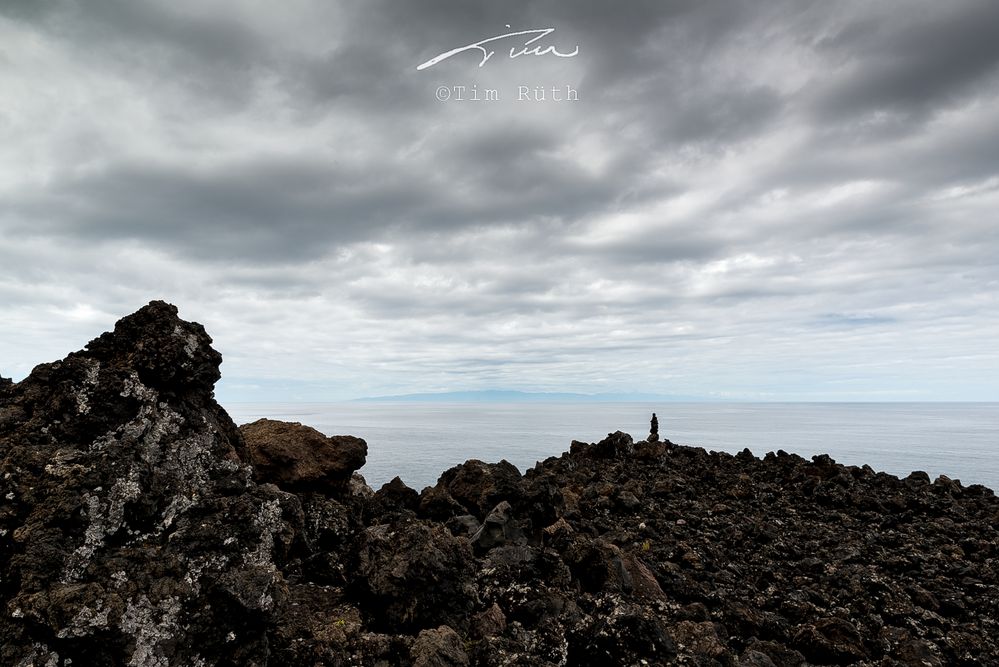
508,396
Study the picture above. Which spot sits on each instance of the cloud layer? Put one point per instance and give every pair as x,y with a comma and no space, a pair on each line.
760,200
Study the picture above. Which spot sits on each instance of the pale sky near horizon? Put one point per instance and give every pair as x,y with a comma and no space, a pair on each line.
766,200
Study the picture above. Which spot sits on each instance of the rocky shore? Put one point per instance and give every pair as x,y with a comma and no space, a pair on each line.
140,526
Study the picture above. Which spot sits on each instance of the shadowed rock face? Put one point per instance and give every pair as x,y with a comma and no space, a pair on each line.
135,531
131,531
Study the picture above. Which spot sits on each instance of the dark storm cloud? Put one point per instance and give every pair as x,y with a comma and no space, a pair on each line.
214,59
231,211
733,171
225,211
656,85
911,63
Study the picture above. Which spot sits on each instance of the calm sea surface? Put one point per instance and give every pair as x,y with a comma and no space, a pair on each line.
418,441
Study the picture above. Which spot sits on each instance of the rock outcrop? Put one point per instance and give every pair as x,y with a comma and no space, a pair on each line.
300,458
130,531
140,526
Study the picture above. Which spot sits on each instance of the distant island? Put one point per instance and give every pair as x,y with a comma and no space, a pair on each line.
508,396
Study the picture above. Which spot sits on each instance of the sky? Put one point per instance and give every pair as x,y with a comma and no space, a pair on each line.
748,200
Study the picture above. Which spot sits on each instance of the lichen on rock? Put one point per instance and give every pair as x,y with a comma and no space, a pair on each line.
123,472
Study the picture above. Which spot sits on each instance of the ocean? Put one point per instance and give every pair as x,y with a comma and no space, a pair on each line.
419,441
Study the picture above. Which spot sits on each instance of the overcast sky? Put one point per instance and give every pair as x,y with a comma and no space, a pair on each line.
780,200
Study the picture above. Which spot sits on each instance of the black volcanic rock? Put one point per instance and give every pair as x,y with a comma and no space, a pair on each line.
134,531
479,486
615,445
416,576
130,530
393,498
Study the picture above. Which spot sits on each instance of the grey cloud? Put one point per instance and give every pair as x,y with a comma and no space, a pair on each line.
219,213
215,59
231,211
848,320
697,119
301,168
912,61
677,243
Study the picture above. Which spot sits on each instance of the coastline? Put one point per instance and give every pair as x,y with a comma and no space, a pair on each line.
418,440
140,525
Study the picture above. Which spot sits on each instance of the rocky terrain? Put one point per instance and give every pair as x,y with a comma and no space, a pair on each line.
139,526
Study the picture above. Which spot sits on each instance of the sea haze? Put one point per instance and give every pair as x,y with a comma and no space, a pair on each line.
419,440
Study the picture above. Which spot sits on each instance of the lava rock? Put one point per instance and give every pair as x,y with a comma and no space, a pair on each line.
416,576
489,623
439,647
831,640
623,634
436,504
479,486
498,529
465,525
395,494
615,445
133,530
122,480
300,458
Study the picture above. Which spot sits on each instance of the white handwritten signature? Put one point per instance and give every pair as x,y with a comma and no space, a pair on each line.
515,52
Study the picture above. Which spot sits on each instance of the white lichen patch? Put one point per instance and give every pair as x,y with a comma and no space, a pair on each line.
85,621
105,520
268,521
82,395
153,423
191,462
190,340
40,656
178,506
150,626
202,564
92,538
124,491
132,387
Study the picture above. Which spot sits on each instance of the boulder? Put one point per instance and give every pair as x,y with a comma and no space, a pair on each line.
621,634
615,445
479,486
498,528
300,458
489,623
438,647
830,640
395,496
436,504
416,576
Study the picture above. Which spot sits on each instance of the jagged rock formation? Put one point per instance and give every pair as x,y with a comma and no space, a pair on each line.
130,531
139,526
